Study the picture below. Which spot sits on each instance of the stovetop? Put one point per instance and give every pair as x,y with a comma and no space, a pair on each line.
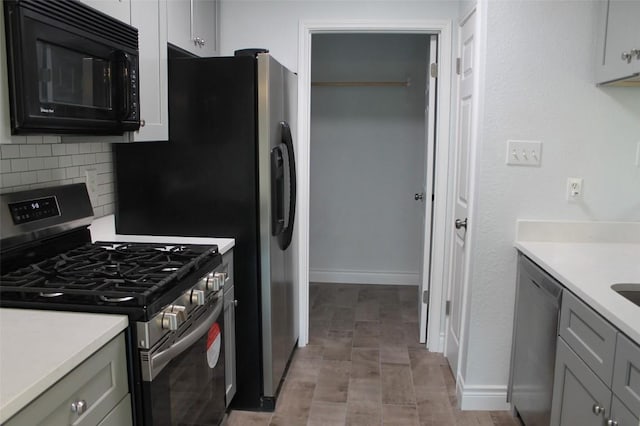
108,274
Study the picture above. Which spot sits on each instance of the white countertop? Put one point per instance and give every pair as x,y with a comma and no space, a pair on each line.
38,348
587,258
104,229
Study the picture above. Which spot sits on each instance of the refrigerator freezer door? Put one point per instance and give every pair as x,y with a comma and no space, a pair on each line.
277,286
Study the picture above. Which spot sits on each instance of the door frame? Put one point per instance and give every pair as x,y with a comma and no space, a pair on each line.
441,207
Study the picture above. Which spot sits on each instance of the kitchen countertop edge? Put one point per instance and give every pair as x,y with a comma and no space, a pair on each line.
103,229
574,265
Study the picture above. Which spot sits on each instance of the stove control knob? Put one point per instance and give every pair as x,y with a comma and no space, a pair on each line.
211,283
173,317
221,277
205,283
197,297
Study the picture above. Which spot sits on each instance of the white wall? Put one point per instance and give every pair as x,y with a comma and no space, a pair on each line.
367,158
273,24
539,85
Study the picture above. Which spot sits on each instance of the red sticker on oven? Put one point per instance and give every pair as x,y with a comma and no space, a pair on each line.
214,342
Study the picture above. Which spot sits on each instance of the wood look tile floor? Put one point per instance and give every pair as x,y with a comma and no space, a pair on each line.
364,366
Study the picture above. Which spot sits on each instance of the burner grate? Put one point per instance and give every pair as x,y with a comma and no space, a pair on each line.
105,273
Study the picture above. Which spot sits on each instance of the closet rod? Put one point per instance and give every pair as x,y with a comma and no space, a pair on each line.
361,83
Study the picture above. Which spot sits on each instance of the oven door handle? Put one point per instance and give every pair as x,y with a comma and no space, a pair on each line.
160,360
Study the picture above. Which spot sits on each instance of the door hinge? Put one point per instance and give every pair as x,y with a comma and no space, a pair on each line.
425,296
447,307
434,70
458,66
433,197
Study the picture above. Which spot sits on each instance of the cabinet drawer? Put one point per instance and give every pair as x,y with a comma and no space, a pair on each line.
100,381
589,335
626,374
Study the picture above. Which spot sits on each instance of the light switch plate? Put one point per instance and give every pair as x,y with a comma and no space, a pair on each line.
524,153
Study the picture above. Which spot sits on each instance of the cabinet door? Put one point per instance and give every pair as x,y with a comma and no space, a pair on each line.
119,9
577,392
621,34
180,30
626,374
205,26
620,415
150,17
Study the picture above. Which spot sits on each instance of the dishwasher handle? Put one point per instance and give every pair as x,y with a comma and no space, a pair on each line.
552,289
542,280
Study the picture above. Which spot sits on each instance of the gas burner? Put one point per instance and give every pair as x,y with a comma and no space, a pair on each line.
50,295
107,273
116,299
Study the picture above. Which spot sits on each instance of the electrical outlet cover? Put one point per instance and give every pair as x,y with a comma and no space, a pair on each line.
574,189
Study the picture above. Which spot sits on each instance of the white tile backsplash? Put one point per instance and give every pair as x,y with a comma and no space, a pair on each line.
43,161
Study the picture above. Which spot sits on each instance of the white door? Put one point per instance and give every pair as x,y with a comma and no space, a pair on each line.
427,190
461,190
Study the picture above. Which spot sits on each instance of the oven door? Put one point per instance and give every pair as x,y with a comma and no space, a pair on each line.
183,379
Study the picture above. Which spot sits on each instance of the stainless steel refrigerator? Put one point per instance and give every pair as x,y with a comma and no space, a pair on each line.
228,170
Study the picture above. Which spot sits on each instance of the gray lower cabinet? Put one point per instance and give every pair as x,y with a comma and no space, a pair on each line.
579,396
597,375
95,393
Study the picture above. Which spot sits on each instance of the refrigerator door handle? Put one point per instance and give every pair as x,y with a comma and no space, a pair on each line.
284,239
277,191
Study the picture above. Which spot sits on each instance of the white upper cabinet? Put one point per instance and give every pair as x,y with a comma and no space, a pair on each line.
205,21
150,18
193,25
618,55
119,9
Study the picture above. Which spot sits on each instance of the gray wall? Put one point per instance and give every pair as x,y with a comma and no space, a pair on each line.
367,156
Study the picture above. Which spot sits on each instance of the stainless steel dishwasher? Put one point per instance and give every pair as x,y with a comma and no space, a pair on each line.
535,333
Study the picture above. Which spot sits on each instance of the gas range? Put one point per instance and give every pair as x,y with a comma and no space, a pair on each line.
172,293
133,278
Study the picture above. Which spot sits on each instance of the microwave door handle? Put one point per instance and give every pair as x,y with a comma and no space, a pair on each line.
125,83
160,360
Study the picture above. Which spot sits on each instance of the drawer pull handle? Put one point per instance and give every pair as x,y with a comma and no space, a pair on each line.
79,407
597,410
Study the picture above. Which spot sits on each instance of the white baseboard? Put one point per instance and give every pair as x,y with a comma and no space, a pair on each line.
364,277
481,398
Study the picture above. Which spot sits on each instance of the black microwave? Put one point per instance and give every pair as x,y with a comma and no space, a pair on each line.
71,69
